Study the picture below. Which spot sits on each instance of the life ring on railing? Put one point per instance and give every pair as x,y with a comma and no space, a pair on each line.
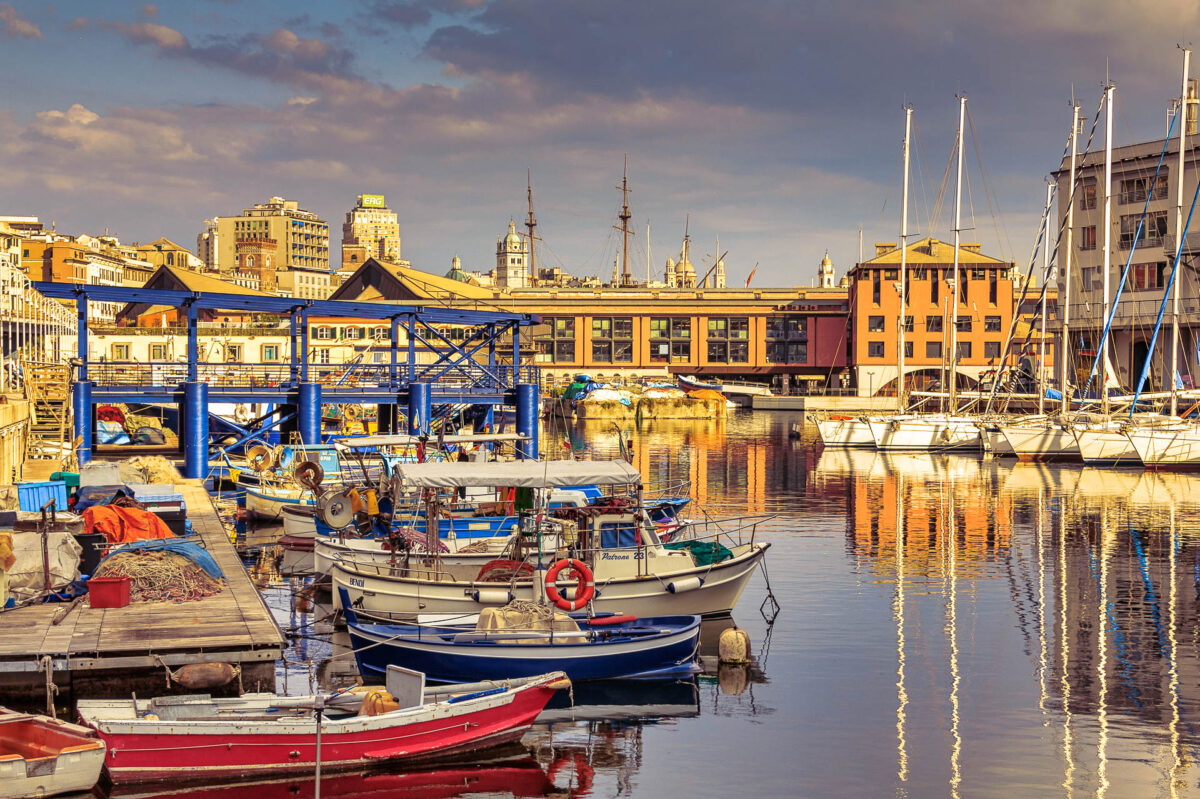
585,589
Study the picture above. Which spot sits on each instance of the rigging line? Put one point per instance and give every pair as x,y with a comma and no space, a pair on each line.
992,202
1012,324
919,158
936,219
1137,236
888,194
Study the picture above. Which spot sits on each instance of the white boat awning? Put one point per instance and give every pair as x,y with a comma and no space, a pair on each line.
522,474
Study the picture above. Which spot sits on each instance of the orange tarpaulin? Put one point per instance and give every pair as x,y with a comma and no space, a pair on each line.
122,525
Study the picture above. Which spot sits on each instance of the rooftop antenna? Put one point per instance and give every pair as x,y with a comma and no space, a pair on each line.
530,223
625,216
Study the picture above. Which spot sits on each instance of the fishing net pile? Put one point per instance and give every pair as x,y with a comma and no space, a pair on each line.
159,576
152,469
524,616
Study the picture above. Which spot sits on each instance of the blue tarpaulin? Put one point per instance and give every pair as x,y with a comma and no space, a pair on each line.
180,546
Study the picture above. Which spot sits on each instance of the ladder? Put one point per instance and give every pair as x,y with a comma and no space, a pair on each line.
48,389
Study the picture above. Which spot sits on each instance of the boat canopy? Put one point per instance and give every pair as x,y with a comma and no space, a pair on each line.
402,440
520,474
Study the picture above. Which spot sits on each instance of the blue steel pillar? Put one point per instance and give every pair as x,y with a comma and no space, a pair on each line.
527,419
81,409
195,430
308,413
420,405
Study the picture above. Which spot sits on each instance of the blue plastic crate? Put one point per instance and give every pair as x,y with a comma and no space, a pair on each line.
32,496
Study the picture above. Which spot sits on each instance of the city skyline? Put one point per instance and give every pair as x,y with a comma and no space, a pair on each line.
775,126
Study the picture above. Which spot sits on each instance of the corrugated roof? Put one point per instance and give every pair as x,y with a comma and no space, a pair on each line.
932,251
194,281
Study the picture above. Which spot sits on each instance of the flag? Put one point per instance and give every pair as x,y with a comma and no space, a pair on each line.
751,275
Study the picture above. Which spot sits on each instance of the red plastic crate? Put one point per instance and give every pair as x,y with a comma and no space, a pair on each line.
109,592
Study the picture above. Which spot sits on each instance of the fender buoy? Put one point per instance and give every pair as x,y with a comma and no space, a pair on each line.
585,589
600,621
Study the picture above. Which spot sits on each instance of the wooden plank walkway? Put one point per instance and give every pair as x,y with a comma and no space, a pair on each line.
233,626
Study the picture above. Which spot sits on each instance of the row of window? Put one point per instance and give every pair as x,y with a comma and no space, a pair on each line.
268,353
1153,231
1151,275
933,349
1134,189
934,324
329,333
935,276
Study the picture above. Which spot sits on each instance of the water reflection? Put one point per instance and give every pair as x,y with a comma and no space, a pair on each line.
1102,574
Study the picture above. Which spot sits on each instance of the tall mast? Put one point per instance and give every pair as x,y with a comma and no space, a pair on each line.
1064,302
1183,122
1108,129
962,117
903,265
625,216
1041,388
530,223
647,252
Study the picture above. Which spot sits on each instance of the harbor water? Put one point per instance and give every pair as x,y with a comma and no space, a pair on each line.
949,626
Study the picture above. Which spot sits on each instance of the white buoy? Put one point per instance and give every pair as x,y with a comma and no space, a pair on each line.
734,646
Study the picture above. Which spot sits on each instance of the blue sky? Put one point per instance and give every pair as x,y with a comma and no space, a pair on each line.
776,125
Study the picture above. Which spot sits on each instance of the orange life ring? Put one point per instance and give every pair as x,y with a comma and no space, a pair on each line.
585,589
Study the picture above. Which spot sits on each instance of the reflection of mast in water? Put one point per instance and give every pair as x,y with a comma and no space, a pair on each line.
898,612
1102,659
1172,663
1065,647
1041,567
951,584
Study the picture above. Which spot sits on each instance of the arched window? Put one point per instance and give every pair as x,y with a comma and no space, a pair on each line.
250,261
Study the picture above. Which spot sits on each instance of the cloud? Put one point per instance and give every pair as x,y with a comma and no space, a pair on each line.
149,11
14,25
161,36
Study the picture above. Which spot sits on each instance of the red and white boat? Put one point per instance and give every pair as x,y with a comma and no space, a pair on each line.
204,738
41,756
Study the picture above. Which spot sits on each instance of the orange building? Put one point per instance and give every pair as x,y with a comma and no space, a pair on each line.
986,304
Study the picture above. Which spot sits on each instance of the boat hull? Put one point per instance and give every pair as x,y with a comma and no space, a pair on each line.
150,750
845,433
1167,448
40,756
1099,447
917,433
1041,442
376,592
660,655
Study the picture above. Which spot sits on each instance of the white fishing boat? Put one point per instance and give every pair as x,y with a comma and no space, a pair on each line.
41,756
1041,438
1175,447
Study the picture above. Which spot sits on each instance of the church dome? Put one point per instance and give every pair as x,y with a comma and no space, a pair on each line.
456,271
513,240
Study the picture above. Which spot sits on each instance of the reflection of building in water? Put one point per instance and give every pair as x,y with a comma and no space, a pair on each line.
980,518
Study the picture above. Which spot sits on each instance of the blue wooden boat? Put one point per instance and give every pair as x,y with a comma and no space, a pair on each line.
604,647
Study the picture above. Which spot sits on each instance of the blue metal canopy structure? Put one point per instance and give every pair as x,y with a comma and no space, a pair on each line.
430,368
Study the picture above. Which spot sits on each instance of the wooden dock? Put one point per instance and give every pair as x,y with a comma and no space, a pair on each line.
97,652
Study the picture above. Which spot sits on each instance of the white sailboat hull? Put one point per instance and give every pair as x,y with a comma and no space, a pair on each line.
925,433
1041,442
1177,448
845,433
1106,447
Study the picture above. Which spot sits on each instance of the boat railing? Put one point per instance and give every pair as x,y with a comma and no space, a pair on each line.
736,530
670,490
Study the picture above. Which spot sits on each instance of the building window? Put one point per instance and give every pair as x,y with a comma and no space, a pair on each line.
158,352
612,339
320,355
964,324
875,324
991,324
1087,237
876,283
323,333
670,339
908,324
908,349
270,353
991,350
382,334
1153,230
787,339
993,286
934,288
933,324
963,349
559,342
933,349
729,339
233,353
1087,194
1150,276
353,333
874,349
120,352
1134,190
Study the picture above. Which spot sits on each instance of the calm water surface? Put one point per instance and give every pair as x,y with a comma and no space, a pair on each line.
949,627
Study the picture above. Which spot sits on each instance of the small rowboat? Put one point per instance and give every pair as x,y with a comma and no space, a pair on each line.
201,737
41,756
602,648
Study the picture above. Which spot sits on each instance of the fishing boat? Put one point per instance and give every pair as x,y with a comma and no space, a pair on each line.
633,570
1042,438
519,642
845,431
199,736
41,756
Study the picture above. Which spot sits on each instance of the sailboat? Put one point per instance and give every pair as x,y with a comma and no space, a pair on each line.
948,431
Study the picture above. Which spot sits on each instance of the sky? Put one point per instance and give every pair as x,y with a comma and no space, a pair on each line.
774,126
